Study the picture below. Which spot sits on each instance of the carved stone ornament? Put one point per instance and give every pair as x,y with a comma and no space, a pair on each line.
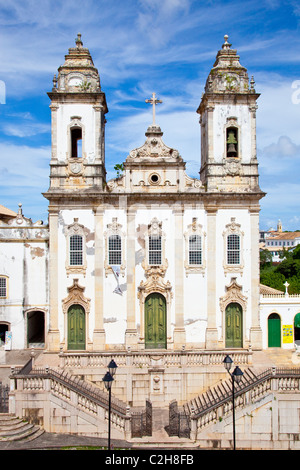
154,147
232,167
114,229
75,167
76,297
233,294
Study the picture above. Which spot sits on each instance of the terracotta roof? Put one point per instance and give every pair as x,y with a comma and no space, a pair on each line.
7,212
284,236
269,290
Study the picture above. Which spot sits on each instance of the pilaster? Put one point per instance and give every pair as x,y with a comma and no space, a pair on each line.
53,336
255,330
179,330
211,330
99,332
131,331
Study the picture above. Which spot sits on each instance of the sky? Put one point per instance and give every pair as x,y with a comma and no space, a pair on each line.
140,47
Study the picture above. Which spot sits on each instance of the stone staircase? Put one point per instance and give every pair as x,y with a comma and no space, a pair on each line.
16,429
160,438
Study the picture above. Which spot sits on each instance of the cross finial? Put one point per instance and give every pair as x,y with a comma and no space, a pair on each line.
154,102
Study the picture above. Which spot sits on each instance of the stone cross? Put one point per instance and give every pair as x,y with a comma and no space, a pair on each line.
154,102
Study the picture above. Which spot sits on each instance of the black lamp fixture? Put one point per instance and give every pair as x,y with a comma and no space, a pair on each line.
235,378
108,380
112,367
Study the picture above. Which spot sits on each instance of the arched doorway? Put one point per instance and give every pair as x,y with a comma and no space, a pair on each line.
155,322
274,331
76,327
297,327
4,327
234,326
35,328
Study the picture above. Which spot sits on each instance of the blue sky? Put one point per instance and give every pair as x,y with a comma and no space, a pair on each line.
140,47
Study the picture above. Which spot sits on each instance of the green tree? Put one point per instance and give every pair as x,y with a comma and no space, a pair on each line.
119,167
265,258
273,279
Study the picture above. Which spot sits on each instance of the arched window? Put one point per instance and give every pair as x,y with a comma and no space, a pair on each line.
155,248
76,142
114,250
232,142
233,249
76,252
195,250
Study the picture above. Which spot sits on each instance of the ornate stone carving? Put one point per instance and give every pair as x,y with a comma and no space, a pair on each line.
154,147
76,297
114,229
233,294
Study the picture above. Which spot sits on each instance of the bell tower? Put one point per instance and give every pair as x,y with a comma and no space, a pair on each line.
77,181
78,108
228,126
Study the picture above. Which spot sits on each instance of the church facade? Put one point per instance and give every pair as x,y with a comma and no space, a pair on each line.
152,260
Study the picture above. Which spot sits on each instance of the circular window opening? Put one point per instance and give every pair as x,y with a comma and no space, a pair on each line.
154,178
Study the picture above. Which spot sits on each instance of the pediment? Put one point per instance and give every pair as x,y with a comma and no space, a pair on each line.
154,149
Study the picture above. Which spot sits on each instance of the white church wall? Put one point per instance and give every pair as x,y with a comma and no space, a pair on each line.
242,273
86,278
195,284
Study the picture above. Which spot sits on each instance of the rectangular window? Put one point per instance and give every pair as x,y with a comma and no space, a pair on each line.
2,287
114,250
76,254
154,250
195,251
233,249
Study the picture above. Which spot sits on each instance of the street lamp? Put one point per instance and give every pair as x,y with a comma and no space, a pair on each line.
108,380
235,377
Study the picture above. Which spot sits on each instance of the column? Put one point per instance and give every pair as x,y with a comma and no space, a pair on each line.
211,330
131,331
53,337
179,330
99,332
255,330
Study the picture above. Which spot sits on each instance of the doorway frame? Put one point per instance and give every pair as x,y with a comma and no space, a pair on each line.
158,295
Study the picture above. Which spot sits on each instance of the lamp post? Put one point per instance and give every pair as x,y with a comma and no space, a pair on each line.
235,377
108,379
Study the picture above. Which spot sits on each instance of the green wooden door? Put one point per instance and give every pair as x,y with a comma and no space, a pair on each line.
274,331
155,322
76,327
234,326
297,327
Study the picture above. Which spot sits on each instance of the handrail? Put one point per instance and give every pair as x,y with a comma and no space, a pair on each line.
221,394
90,391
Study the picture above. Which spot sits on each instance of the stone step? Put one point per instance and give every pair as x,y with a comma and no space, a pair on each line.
16,429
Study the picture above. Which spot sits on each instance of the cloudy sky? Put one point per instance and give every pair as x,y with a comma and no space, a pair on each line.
140,47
